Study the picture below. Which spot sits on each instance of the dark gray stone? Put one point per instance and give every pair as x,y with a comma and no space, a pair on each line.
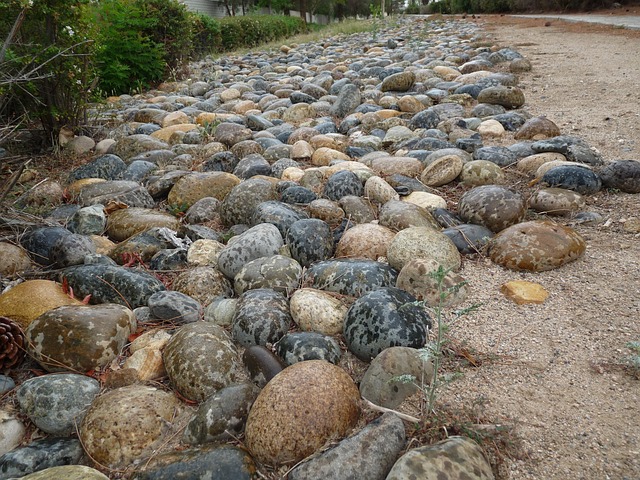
174,307
261,364
109,167
279,214
348,99
297,347
38,455
341,184
310,240
352,277
40,241
576,178
469,238
262,316
623,175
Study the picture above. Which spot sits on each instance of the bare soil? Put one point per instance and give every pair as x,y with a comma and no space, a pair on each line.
554,370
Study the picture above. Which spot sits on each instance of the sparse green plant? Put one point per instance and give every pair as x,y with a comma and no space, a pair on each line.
178,209
633,360
434,349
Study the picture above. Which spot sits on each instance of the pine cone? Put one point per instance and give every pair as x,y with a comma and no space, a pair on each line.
11,344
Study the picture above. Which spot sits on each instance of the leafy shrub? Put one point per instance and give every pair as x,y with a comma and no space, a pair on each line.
253,30
206,35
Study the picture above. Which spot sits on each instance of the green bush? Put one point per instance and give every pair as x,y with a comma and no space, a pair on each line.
253,30
206,35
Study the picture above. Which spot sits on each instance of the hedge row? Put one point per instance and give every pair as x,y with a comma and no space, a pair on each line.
496,6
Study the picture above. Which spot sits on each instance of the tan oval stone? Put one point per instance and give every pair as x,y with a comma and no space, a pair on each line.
300,409
75,187
407,166
301,150
423,242
68,472
556,201
522,292
175,118
410,104
491,128
104,246
191,188
165,133
427,200
530,164
419,278
326,210
446,73
324,156
481,172
204,252
346,165
399,215
298,112
18,303
126,222
13,259
129,423
318,311
334,141
366,240
379,191
155,339
536,246
148,364
442,171
537,128
294,174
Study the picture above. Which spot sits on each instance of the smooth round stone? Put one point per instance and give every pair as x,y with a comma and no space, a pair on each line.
398,82
252,165
222,416
262,316
385,318
6,384
468,237
423,242
145,245
378,191
204,210
501,156
45,193
380,384
200,359
343,183
407,166
231,133
71,250
370,453
127,192
17,303
428,118
204,252
545,167
277,272
128,423
240,204
279,214
398,215
508,97
531,163
127,222
556,201
90,220
307,404
40,455
442,171
317,311
536,246
573,177
68,472
203,284
492,206
39,242
279,166
263,240
261,364
358,209
57,403
351,277
298,195
220,311
326,210
297,347
107,166
13,259
429,201
421,278
216,461
455,457
169,259
623,175
13,431
195,186
310,240
174,307
349,98
99,334
537,128
366,240
481,172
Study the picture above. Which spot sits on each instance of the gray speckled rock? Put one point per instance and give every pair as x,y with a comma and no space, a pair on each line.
400,82
92,336
347,101
144,245
200,359
399,215
455,458
385,318
421,278
423,242
239,205
68,472
203,284
39,455
169,259
88,221
174,307
556,201
300,346
352,277
129,423
279,214
133,145
262,316
203,210
623,175
577,178
277,272
219,462
107,166
469,238
263,240
369,454
509,97
343,183
380,384
112,284
71,250
493,206
130,193
310,240
57,403
221,416
39,241
261,364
